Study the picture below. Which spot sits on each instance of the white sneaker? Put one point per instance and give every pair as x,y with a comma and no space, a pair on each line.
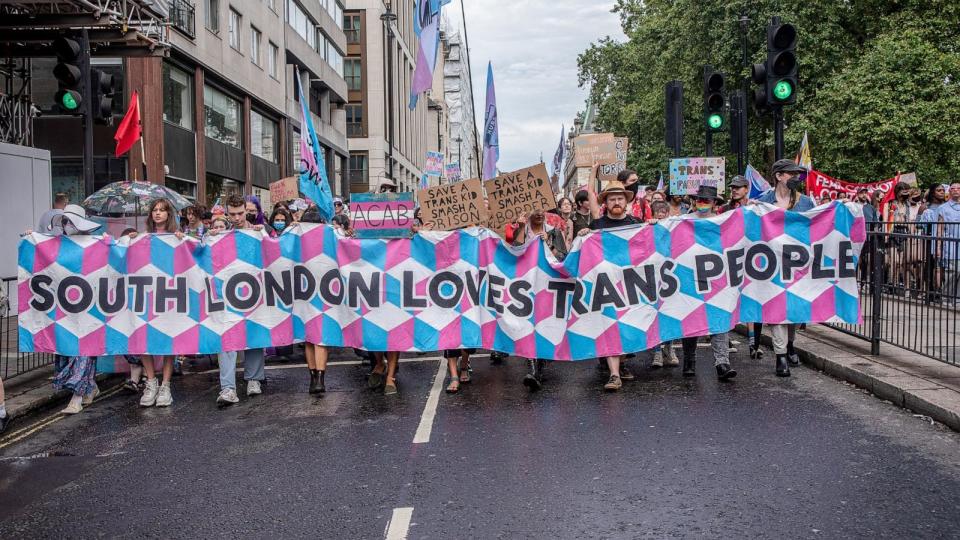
88,399
73,408
150,391
253,388
228,396
657,360
672,359
164,397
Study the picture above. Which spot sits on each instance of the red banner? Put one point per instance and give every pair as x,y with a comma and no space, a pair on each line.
819,183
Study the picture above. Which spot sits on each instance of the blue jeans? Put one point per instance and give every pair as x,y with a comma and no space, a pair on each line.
252,367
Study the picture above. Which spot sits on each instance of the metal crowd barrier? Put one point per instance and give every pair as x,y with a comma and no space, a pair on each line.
12,362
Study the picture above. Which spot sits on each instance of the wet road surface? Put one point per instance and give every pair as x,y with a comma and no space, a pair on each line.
803,457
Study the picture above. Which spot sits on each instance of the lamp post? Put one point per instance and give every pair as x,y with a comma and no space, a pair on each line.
389,18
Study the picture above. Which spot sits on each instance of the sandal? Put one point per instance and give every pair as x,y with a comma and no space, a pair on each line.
465,373
454,386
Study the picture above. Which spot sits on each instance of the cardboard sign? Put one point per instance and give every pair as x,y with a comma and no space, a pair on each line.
452,172
453,206
382,215
688,174
285,189
588,148
434,164
910,178
520,192
612,158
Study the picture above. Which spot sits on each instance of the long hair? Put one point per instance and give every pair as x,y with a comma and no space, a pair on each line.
281,211
261,219
170,226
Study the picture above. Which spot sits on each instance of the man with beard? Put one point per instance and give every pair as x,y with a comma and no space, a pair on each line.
614,199
786,194
739,188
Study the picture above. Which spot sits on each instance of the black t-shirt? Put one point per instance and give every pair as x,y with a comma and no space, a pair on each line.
580,221
604,222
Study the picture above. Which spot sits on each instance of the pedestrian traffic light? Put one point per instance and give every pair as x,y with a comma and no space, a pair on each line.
781,68
68,74
103,99
713,99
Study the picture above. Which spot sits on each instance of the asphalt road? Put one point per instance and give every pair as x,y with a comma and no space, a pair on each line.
666,457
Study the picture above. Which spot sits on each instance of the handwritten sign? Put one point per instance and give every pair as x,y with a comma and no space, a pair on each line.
453,206
434,165
285,189
688,174
589,148
452,172
382,215
519,192
612,158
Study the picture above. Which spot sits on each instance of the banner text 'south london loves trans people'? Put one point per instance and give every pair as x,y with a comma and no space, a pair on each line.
618,291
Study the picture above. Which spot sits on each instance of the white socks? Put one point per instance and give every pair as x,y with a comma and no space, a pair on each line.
135,372
3,411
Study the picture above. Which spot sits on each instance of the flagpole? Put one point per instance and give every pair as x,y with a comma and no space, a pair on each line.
143,154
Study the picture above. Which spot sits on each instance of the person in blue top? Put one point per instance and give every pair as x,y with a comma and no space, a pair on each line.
787,193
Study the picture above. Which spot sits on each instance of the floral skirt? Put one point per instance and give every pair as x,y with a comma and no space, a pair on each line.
76,374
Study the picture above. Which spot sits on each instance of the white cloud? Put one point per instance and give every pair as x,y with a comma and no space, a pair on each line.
533,45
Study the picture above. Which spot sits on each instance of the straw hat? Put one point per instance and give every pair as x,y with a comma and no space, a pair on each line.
615,187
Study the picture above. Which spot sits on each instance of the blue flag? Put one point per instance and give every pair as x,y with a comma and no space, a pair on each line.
491,130
758,184
313,168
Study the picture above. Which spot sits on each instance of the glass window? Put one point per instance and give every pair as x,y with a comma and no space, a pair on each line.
211,15
295,148
351,24
302,23
177,97
263,137
354,120
272,60
234,29
358,173
335,59
255,45
352,73
321,44
338,14
223,117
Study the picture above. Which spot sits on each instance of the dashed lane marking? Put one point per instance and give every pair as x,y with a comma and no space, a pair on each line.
430,409
399,523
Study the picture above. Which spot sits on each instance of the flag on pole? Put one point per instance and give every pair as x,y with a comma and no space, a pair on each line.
558,156
660,183
427,28
491,131
758,184
313,168
129,129
804,159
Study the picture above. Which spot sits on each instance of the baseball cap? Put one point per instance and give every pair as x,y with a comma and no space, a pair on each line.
787,166
739,181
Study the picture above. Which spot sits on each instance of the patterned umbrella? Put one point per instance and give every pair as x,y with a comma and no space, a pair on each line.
131,198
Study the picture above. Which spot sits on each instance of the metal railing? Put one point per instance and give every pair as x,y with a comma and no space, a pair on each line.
909,286
13,362
182,15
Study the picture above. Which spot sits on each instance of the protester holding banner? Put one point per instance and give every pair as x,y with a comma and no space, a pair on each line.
720,343
194,226
664,354
458,364
678,206
581,217
786,194
254,211
614,198
279,221
739,189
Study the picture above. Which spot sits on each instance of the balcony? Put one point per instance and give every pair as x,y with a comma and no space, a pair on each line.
182,17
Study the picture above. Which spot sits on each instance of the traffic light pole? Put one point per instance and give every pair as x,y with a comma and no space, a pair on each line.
745,86
87,115
777,133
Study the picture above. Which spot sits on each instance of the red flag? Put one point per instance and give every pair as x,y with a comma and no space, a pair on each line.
129,129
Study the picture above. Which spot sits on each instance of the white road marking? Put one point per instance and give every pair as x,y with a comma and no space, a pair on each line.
399,523
430,409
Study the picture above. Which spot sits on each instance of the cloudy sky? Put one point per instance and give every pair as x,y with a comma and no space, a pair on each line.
533,45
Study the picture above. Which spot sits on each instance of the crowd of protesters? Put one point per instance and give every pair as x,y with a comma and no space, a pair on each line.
921,246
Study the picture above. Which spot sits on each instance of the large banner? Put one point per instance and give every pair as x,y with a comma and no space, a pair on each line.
617,292
819,184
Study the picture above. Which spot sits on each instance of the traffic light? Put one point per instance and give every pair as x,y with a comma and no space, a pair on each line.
68,74
777,77
103,99
713,100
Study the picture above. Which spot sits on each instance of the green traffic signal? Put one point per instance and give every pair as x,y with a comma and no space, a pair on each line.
715,121
68,102
783,90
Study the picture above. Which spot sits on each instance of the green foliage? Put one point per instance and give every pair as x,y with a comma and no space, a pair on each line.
878,81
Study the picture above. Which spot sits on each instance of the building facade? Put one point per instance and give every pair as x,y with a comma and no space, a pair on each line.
221,114
387,139
458,93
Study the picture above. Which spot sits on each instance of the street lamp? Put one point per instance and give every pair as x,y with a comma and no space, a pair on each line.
389,18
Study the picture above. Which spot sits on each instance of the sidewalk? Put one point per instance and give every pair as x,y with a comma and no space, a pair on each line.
32,391
921,384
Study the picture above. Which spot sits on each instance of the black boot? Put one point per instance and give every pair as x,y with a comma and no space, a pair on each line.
783,370
314,377
725,372
532,379
496,358
689,366
321,386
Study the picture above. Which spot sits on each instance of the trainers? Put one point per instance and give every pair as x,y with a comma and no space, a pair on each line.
72,408
150,391
657,360
672,359
613,384
253,388
756,352
88,399
228,396
794,359
164,397
625,373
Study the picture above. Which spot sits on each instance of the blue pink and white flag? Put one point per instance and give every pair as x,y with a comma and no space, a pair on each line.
758,184
491,130
427,28
313,168
558,156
